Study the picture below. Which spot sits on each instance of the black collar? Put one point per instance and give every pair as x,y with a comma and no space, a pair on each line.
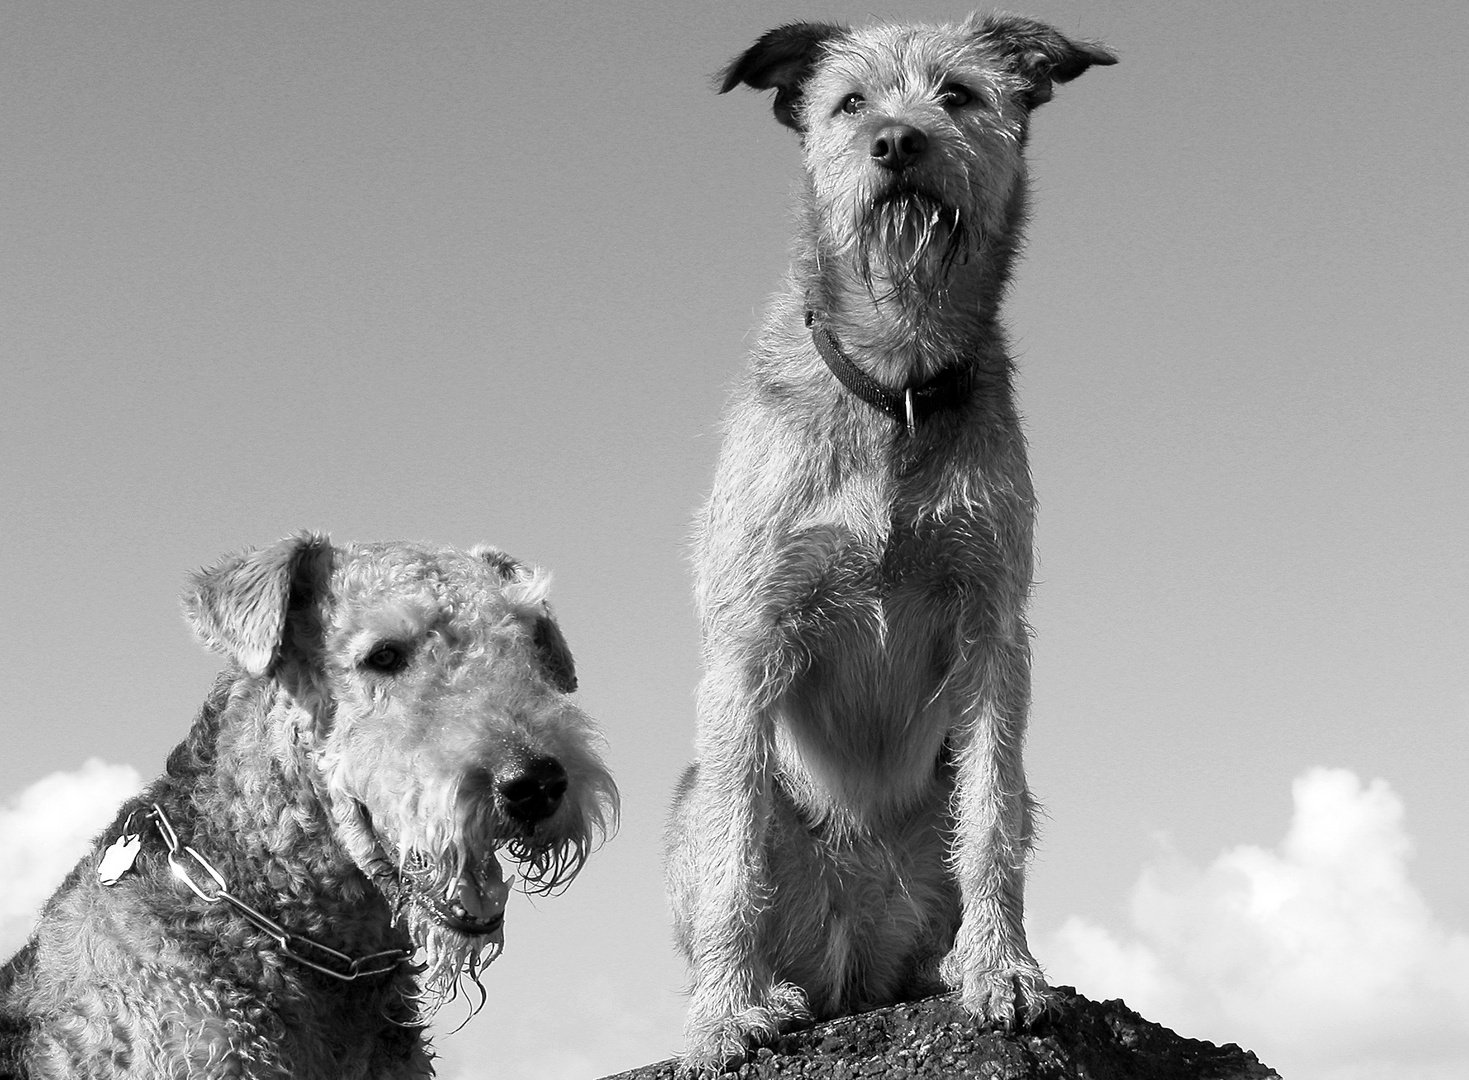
907,406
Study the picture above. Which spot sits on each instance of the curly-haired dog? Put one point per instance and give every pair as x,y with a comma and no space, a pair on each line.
393,716
856,826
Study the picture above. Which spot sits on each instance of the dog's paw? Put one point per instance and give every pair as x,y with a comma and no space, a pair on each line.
719,1040
1010,995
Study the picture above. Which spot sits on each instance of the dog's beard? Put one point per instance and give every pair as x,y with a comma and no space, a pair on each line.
549,853
548,869
453,888
454,912
450,960
907,242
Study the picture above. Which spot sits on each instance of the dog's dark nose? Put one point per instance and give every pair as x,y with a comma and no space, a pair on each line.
533,793
897,146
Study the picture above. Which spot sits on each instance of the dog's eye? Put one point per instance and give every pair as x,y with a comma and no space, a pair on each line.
853,103
387,658
954,96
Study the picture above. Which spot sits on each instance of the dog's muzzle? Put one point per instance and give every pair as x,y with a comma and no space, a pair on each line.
472,904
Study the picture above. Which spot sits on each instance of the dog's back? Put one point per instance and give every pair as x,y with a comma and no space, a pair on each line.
15,1021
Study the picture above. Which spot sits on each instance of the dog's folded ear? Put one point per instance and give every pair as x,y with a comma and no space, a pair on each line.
240,607
531,585
782,60
1039,54
554,654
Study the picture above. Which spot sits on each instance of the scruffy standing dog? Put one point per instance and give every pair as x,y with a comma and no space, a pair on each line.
393,718
856,827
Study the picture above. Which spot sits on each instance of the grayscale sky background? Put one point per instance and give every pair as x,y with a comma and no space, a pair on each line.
482,272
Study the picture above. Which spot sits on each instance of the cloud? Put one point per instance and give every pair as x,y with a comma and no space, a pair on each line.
45,830
1319,955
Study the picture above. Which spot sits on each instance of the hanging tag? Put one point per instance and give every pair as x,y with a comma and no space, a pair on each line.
119,857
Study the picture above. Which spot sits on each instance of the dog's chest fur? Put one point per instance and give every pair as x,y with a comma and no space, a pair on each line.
883,559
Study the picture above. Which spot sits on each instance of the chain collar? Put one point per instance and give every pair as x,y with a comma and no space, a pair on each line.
312,954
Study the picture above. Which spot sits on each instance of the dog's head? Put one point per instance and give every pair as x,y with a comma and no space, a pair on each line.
422,694
913,135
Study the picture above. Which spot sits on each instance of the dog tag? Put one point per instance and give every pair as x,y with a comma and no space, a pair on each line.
118,859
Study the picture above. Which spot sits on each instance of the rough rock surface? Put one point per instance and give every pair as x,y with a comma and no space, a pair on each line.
935,1038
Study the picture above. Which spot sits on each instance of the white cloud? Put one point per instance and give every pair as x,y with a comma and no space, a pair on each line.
43,832
1319,955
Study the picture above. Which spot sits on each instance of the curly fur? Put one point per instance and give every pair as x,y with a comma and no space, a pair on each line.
342,801
857,823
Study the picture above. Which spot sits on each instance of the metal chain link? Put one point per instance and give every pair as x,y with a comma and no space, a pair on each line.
362,967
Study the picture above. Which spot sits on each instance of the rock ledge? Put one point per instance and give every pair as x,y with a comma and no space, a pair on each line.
935,1039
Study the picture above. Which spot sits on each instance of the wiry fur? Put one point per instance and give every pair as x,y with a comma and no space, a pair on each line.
340,800
857,823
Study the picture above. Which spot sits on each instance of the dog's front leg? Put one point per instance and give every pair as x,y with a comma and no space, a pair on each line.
990,963
719,876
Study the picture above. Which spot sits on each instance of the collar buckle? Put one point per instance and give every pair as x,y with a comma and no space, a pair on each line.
948,389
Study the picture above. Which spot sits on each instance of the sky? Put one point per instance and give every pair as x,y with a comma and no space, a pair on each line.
484,272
